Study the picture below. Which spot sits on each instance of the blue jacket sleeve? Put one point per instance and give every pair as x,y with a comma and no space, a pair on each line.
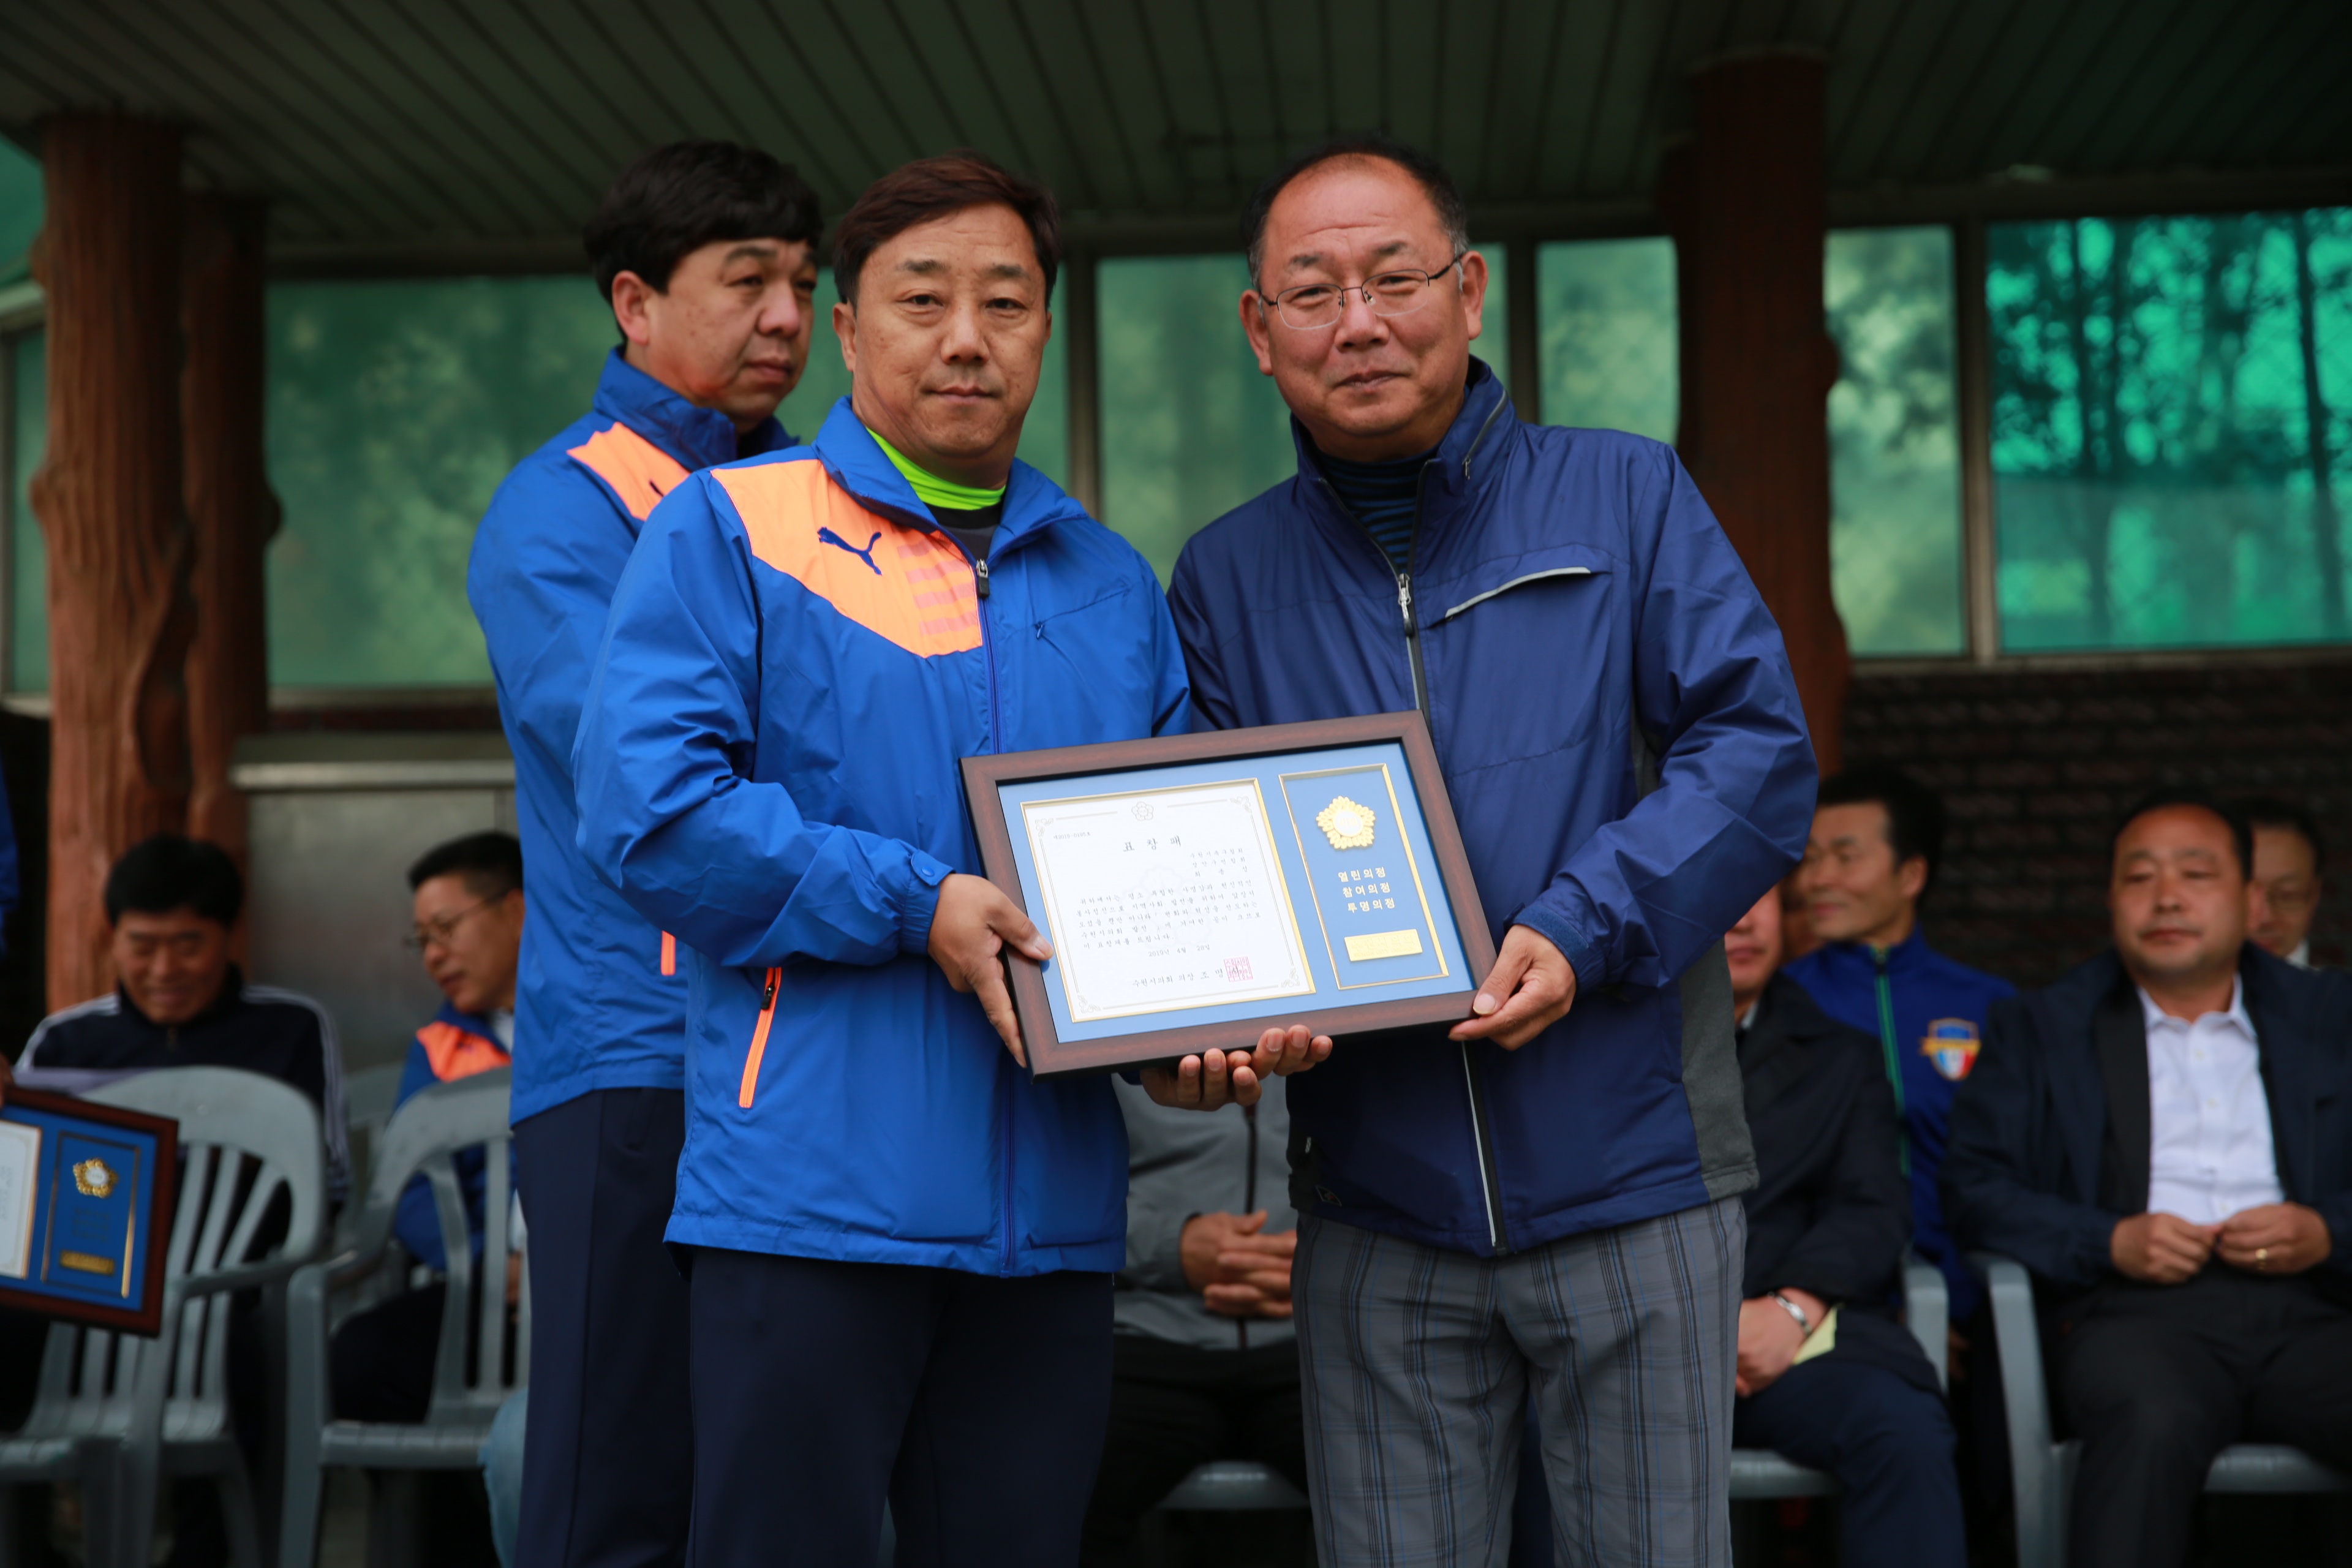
540,584
1717,708
1998,1179
667,813
413,1220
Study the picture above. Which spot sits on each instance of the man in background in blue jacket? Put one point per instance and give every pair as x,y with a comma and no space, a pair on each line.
467,903
1549,1200
704,250
899,1246
1877,839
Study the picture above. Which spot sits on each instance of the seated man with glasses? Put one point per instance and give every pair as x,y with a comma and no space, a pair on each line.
468,909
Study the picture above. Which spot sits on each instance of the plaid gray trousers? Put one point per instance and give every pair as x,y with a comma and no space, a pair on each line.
1419,1363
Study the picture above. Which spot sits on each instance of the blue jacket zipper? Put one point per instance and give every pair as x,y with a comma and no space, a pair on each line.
1490,1185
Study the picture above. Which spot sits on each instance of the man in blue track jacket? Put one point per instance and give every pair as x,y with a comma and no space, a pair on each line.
1877,839
1546,1201
900,1248
704,250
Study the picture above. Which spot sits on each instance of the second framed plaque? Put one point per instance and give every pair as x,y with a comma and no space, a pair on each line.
1199,890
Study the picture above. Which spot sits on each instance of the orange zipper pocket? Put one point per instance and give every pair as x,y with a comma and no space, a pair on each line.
759,1038
669,955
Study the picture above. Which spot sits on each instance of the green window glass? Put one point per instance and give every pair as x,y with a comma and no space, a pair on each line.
1610,336
2170,398
28,555
1494,340
394,409
1897,564
1189,429
20,210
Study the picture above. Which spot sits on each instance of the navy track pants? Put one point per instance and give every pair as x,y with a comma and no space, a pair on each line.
608,1451
975,1404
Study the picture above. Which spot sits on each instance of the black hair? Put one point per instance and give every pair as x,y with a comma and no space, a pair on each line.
677,199
1914,813
167,873
2269,811
2241,832
490,863
1453,212
929,189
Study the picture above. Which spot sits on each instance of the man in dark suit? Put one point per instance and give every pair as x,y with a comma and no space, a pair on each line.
1826,1376
2162,1138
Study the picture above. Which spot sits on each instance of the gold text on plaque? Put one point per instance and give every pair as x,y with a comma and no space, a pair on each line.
1347,825
93,1179
1383,944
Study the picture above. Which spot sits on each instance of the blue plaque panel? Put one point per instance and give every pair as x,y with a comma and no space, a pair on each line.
1199,889
86,1205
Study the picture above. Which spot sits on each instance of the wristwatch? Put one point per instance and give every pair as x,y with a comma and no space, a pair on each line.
1804,1323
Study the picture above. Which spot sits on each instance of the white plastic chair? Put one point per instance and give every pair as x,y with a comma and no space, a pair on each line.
467,1389
2041,1469
123,1414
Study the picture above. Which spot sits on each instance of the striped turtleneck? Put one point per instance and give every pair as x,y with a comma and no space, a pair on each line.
1384,497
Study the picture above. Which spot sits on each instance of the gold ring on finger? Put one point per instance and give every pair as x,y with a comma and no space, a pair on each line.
2262,1258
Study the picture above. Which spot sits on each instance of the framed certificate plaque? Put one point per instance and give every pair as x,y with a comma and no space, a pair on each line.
1200,889
86,1205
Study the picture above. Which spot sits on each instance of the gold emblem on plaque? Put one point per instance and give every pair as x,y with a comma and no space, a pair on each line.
1347,825
93,1179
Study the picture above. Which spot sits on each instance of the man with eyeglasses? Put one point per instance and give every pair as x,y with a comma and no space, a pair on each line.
1540,1207
466,902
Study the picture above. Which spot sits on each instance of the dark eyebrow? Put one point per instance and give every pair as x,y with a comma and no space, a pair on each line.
1379,253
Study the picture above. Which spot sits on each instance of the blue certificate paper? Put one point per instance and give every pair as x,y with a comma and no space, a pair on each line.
83,1189
1267,884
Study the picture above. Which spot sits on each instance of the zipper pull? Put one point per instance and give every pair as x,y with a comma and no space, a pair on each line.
979,574
768,997
1404,600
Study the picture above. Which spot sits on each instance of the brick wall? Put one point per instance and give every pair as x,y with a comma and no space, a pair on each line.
2034,765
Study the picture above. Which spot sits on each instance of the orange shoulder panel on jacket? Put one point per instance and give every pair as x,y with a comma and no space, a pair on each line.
639,472
456,1053
911,586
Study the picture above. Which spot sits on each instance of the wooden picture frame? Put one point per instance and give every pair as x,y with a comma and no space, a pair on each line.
1051,1055
152,1197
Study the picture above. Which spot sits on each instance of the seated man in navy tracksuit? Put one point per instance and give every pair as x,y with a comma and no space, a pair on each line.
180,1000
469,909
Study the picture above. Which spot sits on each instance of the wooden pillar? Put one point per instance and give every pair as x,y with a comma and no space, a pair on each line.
110,500
230,509
1747,205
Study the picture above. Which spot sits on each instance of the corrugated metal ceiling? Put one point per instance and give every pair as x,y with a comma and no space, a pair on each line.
385,122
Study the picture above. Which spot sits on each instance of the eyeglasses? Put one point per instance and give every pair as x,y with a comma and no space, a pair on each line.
1401,293
437,933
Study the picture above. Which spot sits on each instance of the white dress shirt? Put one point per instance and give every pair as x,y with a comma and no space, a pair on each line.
2208,1123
